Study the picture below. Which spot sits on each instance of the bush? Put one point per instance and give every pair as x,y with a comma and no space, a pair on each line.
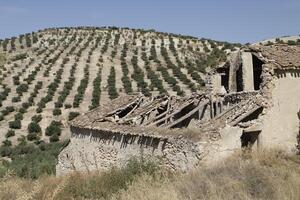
22,110
19,116
111,81
5,151
72,115
54,138
53,128
10,133
32,136
34,127
56,111
31,161
22,88
16,99
6,143
25,105
67,106
10,109
15,124
37,118
39,110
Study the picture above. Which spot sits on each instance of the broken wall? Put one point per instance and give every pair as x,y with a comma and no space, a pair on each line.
229,142
248,81
100,150
280,123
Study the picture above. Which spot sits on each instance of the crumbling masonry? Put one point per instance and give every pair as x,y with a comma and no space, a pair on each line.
252,100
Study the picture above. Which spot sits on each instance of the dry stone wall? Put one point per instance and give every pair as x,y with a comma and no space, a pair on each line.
99,150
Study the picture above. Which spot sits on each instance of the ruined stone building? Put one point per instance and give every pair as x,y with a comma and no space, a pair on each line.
252,100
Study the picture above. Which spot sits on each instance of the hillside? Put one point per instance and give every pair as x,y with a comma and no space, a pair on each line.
291,40
50,76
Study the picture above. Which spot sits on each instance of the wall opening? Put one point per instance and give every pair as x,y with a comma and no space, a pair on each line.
239,79
183,112
224,73
215,109
248,139
126,110
257,70
162,109
253,115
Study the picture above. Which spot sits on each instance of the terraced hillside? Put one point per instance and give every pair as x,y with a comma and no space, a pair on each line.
49,77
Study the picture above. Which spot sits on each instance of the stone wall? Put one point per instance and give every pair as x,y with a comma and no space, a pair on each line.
248,82
99,150
280,122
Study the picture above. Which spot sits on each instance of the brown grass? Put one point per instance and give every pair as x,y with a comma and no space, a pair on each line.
260,175
2,58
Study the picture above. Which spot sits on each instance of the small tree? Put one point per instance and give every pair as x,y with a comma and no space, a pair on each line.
5,151
32,136
54,138
10,133
39,110
18,116
72,115
15,124
53,128
67,106
56,111
6,143
34,127
37,118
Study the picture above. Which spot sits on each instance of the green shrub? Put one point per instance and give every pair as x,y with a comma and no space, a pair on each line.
56,111
67,106
53,128
31,161
72,115
32,136
6,143
15,124
111,81
16,99
10,133
54,138
37,118
39,110
10,109
25,105
22,88
22,110
34,127
5,151
19,116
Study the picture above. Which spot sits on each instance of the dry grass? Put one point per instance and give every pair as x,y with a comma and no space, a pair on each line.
2,59
261,175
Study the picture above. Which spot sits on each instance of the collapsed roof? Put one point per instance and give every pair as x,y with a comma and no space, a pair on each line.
155,116
281,55
137,114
